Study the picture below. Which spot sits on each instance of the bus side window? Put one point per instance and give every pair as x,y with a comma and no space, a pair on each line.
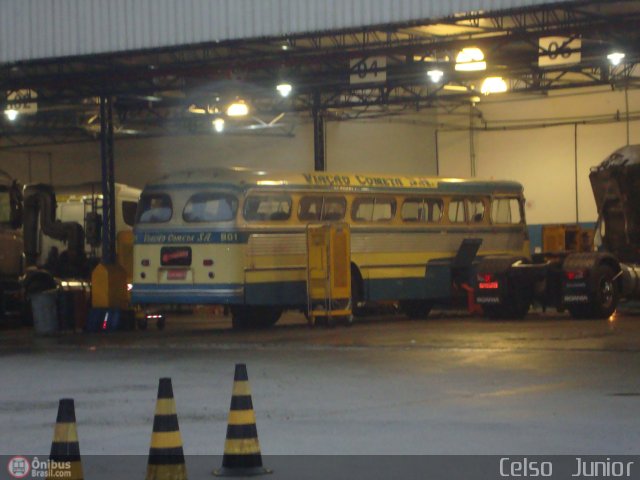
376,209
456,210
334,208
506,211
436,207
309,209
267,207
129,212
476,211
422,209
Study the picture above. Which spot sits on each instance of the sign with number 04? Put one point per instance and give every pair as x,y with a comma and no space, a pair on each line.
368,70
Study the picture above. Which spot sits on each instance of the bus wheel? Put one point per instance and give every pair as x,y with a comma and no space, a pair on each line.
240,317
265,317
243,317
416,309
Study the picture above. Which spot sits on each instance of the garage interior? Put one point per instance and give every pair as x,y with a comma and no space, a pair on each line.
369,86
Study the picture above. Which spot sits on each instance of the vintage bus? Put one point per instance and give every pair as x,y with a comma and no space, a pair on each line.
238,237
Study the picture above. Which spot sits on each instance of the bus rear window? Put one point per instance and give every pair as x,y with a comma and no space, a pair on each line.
267,207
373,209
155,208
210,207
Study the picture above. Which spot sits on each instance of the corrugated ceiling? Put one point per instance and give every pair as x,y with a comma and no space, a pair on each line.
37,29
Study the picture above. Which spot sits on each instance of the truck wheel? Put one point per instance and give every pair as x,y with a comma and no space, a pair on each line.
605,296
416,309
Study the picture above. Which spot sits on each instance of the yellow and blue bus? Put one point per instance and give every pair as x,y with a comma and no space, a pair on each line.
238,237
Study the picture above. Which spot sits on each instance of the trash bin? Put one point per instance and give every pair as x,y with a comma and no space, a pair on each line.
44,307
73,304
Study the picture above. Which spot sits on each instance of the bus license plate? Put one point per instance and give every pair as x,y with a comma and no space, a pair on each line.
176,274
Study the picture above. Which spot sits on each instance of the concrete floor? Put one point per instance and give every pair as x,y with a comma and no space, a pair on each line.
452,384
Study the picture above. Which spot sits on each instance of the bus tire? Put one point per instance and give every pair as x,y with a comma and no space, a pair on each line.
240,317
245,317
416,309
357,295
266,317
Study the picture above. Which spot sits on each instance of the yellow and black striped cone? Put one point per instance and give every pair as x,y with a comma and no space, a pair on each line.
64,461
242,455
166,457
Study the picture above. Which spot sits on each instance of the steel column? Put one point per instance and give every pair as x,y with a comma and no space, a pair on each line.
108,181
319,139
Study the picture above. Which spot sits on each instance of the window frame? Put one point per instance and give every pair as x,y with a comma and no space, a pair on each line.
431,202
140,212
220,195
321,217
248,198
358,200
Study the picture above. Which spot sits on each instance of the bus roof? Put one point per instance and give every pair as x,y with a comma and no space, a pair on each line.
245,179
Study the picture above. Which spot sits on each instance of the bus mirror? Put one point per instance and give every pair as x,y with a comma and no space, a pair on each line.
15,198
93,229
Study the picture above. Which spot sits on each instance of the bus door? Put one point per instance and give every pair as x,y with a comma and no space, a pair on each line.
328,273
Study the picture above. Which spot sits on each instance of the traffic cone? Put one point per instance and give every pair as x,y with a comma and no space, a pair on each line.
64,461
241,448
166,457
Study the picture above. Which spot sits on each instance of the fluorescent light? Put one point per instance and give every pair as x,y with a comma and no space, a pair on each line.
238,109
11,114
284,89
435,75
218,124
470,59
493,85
616,57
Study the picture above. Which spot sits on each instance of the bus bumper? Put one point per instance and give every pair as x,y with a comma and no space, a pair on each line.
142,294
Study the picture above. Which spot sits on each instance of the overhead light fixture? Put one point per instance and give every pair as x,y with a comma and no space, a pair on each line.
284,89
616,57
470,59
11,114
435,75
474,99
455,88
218,125
238,109
493,85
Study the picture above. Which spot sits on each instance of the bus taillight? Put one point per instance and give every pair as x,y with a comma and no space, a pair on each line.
207,262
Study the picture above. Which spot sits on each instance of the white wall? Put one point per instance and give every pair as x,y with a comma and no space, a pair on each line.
381,146
543,157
